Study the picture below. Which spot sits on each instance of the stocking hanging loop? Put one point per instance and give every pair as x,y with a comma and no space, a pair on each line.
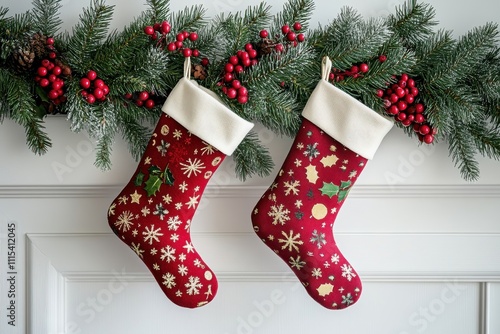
187,68
326,67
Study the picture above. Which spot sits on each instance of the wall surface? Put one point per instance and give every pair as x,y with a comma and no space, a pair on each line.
425,242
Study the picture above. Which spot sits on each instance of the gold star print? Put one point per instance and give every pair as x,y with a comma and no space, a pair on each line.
333,148
353,174
135,197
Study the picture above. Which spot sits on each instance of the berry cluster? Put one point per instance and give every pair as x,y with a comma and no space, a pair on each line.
142,99
159,31
355,71
236,64
400,102
50,73
94,89
291,36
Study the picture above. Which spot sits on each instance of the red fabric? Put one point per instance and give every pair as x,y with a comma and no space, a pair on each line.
295,216
153,213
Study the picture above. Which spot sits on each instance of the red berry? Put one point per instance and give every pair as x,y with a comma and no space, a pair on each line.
393,110
143,96
99,83
231,93
409,99
363,68
414,91
42,71
238,69
411,109
382,58
410,117
128,96
53,94
297,26
236,84
234,60
419,108
301,37
402,83
285,29
57,70
178,44
204,62
404,77
291,36
246,62
252,53
46,63
156,27
331,76
228,77
243,55
149,30
400,92
171,47
263,33
90,98
279,48
380,92
402,105
186,34
401,116
196,53
165,27
149,104
428,139
254,62
410,83
58,84
139,103
424,129
242,99
50,41
98,93
180,37
393,98
91,75
406,122
52,55
193,36
354,69
229,68
248,47
419,118
84,93
187,52
105,90
242,91
44,82
52,78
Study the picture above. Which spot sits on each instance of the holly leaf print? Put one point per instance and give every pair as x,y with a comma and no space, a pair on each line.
168,177
329,189
154,170
139,179
153,184
345,186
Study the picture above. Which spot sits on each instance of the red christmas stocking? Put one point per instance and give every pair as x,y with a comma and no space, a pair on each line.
295,215
153,213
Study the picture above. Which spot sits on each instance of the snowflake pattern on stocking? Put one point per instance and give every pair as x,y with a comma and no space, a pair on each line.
153,213
295,216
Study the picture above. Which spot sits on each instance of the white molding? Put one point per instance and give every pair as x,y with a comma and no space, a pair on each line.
241,191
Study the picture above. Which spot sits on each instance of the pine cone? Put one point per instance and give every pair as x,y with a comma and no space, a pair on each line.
265,47
38,45
198,72
23,58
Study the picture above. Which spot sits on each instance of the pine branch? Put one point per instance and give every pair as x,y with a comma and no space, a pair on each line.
189,19
461,147
88,35
103,125
412,22
293,11
159,10
486,139
46,16
252,158
136,135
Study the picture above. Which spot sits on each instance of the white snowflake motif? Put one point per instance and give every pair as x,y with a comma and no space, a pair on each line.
279,214
152,234
177,134
298,163
197,263
174,237
163,147
300,146
318,239
137,249
145,211
168,254
192,167
189,247
297,263
178,206
311,151
182,269
193,201
326,264
167,199
207,149
335,258
193,286
291,241
111,210
292,187
123,200
347,272
169,280
124,221
182,257
347,299
316,272
160,211
183,186
173,223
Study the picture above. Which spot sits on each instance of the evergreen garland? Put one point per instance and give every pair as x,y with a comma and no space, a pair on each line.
458,79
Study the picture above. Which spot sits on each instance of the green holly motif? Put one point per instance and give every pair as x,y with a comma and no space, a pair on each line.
156,178
329,189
